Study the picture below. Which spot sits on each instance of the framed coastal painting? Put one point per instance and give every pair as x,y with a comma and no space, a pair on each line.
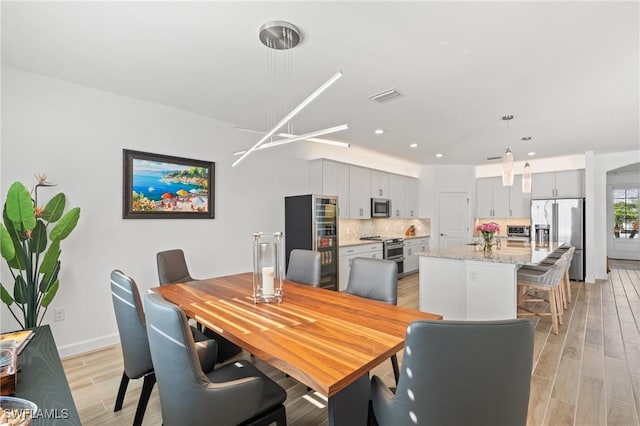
164,187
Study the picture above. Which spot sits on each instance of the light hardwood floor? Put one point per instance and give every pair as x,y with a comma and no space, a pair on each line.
589,374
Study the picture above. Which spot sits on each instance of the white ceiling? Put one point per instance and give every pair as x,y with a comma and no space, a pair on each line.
568,71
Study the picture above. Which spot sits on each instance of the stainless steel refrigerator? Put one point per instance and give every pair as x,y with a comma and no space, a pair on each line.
564,220
311,223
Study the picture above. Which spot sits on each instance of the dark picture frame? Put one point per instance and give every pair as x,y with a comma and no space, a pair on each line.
157,186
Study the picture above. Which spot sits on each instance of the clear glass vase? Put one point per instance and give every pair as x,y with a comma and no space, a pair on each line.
267,267
488,244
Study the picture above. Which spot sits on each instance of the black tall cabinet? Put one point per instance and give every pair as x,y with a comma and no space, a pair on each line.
311,223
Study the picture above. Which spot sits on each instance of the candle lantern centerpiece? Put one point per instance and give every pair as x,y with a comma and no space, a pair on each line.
268,267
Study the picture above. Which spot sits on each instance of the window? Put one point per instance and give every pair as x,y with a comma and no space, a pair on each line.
625,213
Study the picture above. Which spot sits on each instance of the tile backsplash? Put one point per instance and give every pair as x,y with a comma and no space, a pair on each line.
502,223
353,229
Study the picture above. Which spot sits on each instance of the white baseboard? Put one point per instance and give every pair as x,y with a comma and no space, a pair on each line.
88,345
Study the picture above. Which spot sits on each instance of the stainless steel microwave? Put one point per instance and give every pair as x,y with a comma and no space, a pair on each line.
380,207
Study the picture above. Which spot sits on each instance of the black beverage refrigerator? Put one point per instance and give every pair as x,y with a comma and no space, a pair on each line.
311,223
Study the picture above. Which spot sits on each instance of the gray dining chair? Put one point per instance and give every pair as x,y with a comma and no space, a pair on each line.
135,345
375,279
172,268
304,267
460,373
235,393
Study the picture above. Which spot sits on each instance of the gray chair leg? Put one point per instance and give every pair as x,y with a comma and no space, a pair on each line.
145,394
121,391
396,369
277,416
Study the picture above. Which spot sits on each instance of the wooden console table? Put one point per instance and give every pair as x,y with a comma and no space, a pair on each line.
41,379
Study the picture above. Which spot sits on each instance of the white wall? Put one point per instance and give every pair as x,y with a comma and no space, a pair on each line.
435,179
596,170
541,165
76,134
362,157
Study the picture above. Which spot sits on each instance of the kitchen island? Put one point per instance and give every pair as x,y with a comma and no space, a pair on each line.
463,283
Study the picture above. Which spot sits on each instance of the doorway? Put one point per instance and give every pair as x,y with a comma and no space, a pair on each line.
623,190
453,220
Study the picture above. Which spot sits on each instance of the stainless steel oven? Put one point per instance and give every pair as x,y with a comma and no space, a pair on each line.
392,249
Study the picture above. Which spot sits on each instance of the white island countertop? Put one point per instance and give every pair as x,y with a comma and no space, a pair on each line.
461,283
514,252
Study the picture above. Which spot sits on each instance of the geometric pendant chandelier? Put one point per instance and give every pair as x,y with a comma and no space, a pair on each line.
281,35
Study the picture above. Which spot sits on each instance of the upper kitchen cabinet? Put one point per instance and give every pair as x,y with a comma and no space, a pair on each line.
379,184
359,193
499,201
396,195
411,196
403,192
519,202
492,199
564,184
355,187
331,178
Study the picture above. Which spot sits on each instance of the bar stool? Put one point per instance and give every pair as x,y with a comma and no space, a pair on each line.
549,281
567,252
566,282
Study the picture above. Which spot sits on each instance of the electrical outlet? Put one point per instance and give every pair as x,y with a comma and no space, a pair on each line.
58,314
473,276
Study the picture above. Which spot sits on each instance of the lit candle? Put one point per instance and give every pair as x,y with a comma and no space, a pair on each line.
267,280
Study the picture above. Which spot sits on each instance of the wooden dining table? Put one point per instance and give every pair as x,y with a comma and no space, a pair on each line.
325,339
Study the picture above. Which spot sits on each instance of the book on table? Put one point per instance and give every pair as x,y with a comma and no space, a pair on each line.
21,338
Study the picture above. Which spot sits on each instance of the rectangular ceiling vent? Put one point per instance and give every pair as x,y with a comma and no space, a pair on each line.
494,158
385,95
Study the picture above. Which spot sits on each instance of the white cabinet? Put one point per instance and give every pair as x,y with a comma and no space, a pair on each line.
564,184
484,198
396,194
359,193
347,254
331,178
492,198
373,251
543,185
496,200
411,247
411,196
519,202
570,183
403,192
355,187
379,184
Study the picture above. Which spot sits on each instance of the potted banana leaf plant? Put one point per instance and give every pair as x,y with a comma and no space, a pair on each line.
30,238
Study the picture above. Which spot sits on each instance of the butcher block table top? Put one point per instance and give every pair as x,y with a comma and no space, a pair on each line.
322,338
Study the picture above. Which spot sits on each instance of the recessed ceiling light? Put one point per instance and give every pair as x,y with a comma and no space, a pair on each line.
439,155
531,153
526,138
379,131
414,145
